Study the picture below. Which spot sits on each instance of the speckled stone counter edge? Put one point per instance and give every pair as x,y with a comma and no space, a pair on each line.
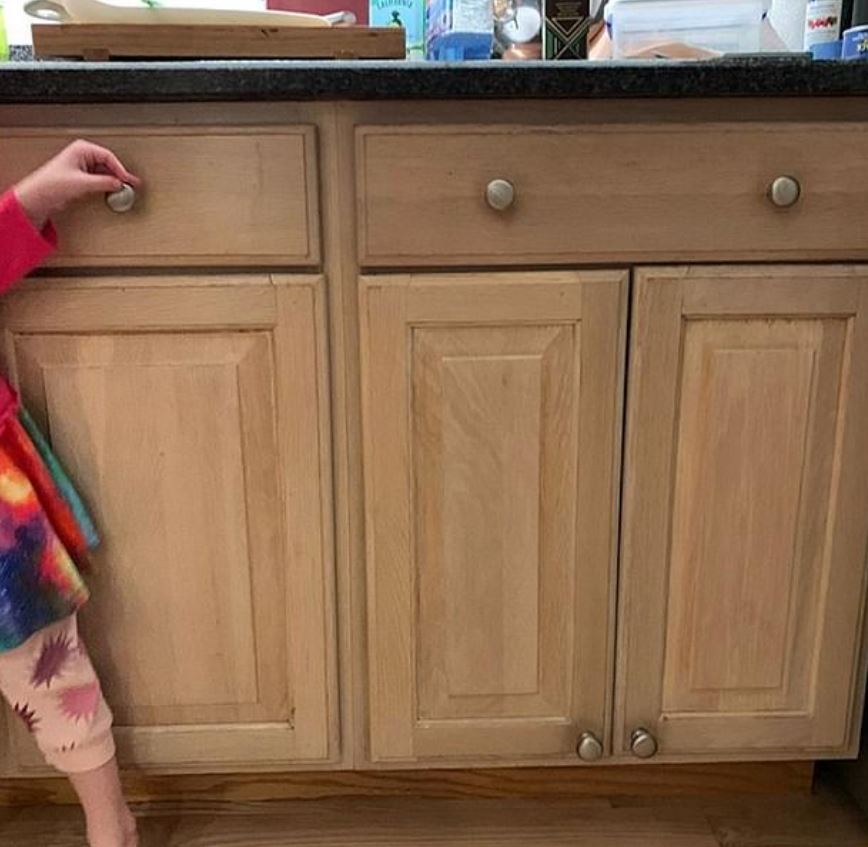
79,82
20,53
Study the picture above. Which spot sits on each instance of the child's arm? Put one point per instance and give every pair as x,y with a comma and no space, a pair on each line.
22,246
26,234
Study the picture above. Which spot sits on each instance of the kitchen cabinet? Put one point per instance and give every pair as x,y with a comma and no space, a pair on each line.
491,446
399,532
194,413
746,483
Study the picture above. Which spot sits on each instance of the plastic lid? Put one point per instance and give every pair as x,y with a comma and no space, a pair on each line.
683,14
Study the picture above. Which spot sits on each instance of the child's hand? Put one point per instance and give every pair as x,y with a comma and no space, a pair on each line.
79,170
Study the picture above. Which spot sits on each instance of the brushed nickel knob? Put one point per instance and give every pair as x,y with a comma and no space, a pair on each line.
500,194
589,748
643,744
122,200
785,192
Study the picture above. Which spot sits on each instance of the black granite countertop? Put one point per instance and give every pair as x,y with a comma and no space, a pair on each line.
80,82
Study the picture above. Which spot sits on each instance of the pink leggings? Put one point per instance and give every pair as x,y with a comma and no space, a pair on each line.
51,685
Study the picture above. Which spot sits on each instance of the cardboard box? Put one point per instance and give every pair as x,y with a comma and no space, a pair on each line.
408,14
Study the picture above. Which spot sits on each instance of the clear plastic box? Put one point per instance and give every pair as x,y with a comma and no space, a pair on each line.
720,26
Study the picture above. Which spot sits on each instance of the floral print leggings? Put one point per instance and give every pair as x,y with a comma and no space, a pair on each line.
51,685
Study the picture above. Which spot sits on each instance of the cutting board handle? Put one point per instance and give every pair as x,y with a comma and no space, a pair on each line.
47,10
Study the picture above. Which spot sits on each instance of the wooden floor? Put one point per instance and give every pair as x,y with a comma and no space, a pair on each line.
826,819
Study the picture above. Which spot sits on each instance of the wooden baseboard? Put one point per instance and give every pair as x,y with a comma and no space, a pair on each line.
649,780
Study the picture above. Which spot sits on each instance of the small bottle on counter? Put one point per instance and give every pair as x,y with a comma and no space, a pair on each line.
855,44
825,22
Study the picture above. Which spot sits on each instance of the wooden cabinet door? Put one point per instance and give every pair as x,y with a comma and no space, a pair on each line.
745,512
193,413
491,421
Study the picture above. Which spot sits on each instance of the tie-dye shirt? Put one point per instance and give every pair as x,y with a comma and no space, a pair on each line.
45,532
40,583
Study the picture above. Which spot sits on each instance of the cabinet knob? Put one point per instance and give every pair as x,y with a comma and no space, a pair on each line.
785,192
122,200
643,744
500,194
589,748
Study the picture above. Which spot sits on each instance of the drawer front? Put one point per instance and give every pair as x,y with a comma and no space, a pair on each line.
245,197
609,193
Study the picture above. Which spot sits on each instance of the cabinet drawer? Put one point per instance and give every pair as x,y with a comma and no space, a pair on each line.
245,197
609,193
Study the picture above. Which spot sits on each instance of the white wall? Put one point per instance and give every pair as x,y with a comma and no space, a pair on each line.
17,26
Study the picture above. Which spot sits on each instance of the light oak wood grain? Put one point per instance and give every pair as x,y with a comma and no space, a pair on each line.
777,111
206,455
215,196
744,530
491,419
709,666
339,263
605,193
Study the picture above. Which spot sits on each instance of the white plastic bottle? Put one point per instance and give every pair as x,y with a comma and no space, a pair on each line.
824,28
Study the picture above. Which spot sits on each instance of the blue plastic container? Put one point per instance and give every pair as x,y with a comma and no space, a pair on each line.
459,30
855,44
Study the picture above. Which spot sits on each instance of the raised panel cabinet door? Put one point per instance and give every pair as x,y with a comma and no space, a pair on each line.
193,414
745,512
491,446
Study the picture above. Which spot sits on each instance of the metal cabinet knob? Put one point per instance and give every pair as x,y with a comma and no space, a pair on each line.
589,748
122,200
785,192
500,194
643,744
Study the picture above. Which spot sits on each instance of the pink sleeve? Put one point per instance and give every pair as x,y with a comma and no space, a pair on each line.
22,246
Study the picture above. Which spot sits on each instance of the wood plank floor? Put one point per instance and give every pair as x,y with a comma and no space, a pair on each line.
825,819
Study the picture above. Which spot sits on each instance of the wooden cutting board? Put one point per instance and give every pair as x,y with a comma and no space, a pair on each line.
103,42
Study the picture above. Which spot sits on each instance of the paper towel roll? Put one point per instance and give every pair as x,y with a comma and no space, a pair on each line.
788,19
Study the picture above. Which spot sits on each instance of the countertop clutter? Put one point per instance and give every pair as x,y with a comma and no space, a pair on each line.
116,82
760,74
661,48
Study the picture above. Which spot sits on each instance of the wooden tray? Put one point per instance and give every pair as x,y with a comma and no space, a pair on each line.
102,42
